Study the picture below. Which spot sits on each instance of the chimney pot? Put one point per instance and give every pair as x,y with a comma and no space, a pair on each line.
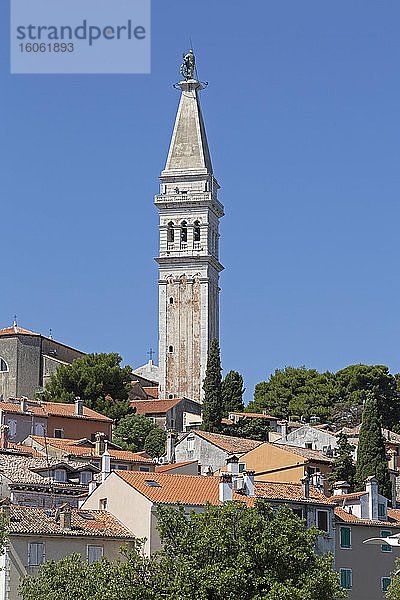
340,488
105,465
24,404
232,465
65,516
78,406
371,488
171,440
305,482
100,445
225,487
248,478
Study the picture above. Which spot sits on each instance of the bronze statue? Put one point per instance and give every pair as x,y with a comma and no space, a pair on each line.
188,65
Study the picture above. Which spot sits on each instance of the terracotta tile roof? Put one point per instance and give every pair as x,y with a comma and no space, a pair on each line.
151,391
198,490
56,409
307,453
15,330
151,407
288,491
345,517
229,443
336,498
72,448
92,523
166,468
24,470
254,415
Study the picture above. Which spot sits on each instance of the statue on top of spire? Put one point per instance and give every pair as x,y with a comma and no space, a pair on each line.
188,65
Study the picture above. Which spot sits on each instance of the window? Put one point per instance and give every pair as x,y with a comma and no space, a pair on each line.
346,579
242,467
12,428
171,300
40,429
94,553
36,553
184,231
170,232
386,547
308,445
190,444
381,510
170,348
85,477
345,538
103,504
121,467
385,582
3,365
144,469
298,512
60,475
196,231
59,433
322,520
152,483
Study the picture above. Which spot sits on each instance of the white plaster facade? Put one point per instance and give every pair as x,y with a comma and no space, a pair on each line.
188,260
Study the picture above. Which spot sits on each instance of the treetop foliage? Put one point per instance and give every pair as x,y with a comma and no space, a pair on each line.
334,397
212,385
232,393
137,432
226,552
98,379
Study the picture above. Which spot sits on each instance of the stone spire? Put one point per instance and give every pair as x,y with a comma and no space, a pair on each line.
189,147
188,260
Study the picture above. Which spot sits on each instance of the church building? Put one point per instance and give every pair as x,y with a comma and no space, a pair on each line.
188,258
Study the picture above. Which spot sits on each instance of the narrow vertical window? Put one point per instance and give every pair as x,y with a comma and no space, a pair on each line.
196,231
170,232
386,547
346,579
184,231
3,365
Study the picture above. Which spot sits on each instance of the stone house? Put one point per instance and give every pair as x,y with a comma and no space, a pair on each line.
364,568
133,498
314,438
176,413
28,359
37,535
24,417
210,450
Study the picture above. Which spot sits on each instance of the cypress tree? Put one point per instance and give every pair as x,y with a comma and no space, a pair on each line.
232,393
343,467
371,454
212,386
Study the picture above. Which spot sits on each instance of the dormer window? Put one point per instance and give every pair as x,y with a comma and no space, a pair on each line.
3,365
60,475
85,477
170,232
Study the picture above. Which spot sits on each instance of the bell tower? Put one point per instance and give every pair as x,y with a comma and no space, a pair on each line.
188,258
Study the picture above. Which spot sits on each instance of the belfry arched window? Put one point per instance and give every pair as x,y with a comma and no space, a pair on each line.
184,231
196,231
170,232
3,365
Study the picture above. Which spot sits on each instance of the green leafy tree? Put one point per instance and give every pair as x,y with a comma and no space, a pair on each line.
132,431
98,379
154,443
352,387
212,404
231,552
371,455
343,467
232,393
253,429
295,391
393,592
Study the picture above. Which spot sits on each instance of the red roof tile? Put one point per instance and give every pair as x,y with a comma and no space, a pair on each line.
151,407
151,391
15,330
59,409
229,443
71,447
393,519
198,490
340,497
171,466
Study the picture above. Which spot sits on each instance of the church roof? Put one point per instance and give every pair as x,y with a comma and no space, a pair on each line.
189,147
15,330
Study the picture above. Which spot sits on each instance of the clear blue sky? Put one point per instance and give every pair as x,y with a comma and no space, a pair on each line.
302,114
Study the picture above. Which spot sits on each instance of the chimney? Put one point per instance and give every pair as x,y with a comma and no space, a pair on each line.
78,406
248,478
372,490
232,465
305,484
24,404
4,437
392,459
225,487
284,431
105,465
65,516
92,486
171,439
100,443
340,488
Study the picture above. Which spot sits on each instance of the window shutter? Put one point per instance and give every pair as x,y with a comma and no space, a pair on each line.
386,547
345,537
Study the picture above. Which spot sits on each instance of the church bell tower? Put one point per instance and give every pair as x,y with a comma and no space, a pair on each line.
188,259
